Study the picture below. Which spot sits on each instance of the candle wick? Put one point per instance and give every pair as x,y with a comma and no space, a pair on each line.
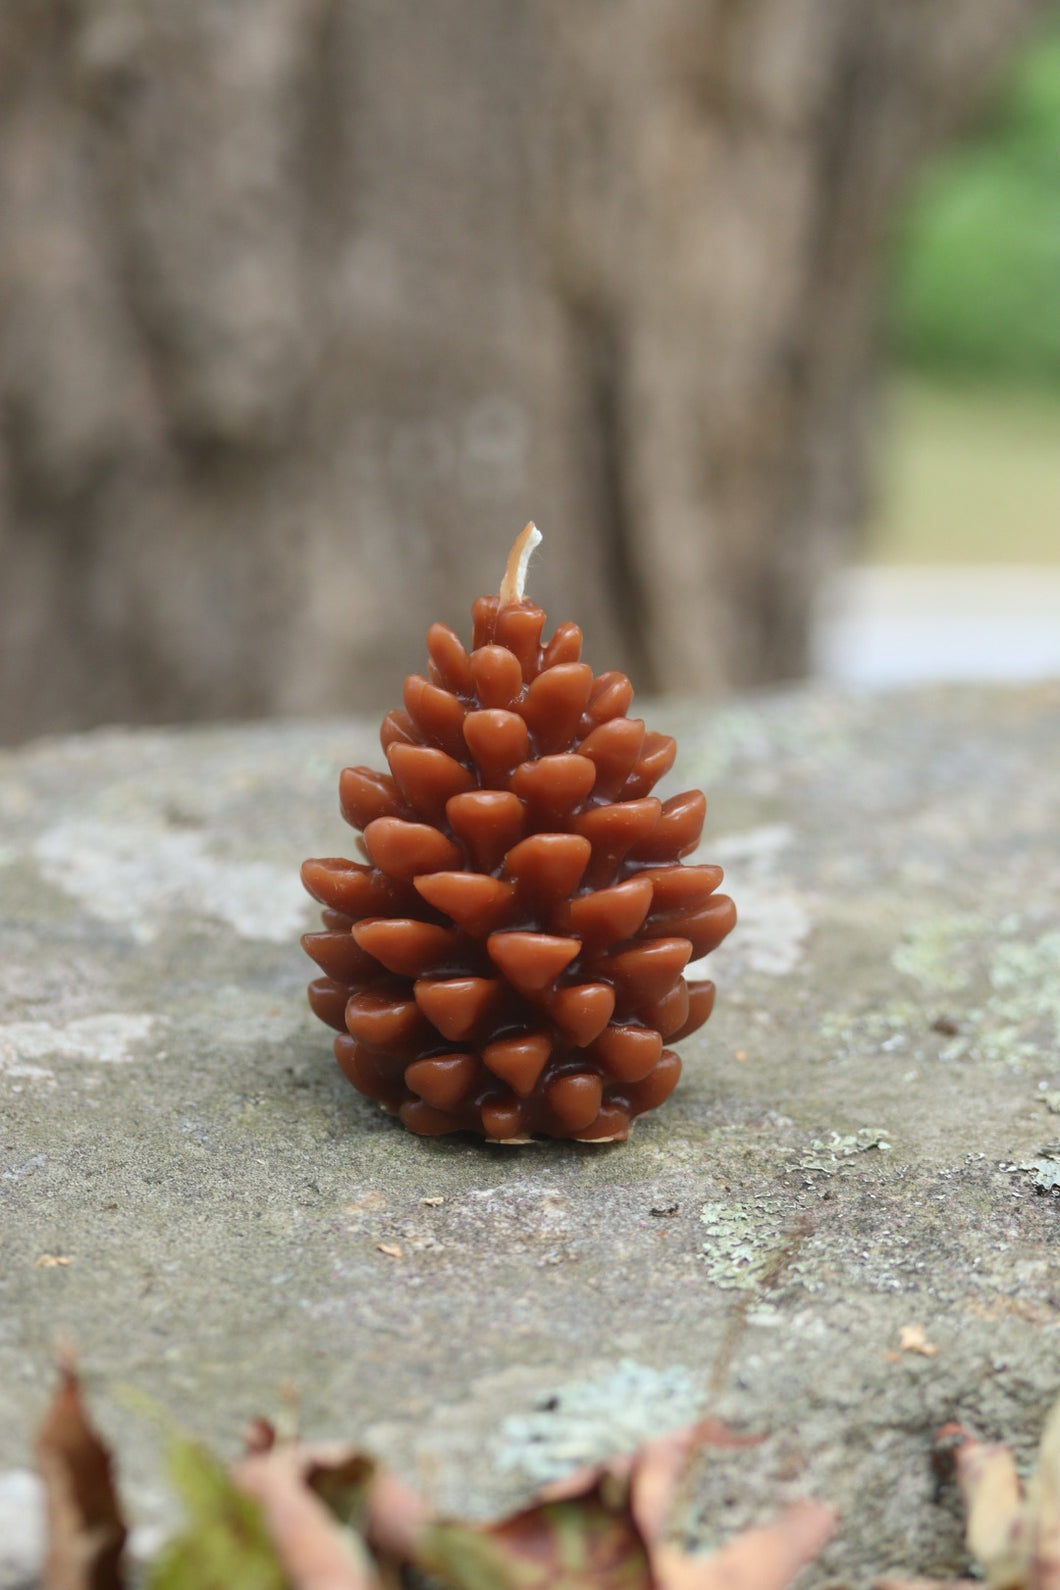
514,581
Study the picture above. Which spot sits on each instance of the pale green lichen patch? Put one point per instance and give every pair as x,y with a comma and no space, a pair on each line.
766,735
1025,979
1019,1016
743,1249
839,1150
886,1028
1045,1169
584,1421
930,953
758,1248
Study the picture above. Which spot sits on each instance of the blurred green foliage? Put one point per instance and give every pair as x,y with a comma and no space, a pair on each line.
227,1544
977,279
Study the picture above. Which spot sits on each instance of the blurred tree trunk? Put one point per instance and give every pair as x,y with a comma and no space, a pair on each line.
306,305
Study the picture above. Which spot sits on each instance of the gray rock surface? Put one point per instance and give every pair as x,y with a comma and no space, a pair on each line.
864,1138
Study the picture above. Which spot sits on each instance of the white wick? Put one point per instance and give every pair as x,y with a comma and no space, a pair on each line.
514,582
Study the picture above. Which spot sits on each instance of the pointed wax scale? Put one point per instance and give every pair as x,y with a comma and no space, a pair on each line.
531,961
518,1061
548,867
582,1011
475,901
489,822
607,915
650,969
402,849
442,1080
458,1006
554,785
427,777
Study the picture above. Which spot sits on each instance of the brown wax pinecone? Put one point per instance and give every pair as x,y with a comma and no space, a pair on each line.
509,960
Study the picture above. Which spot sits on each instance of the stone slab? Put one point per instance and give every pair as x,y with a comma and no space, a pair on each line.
864,1137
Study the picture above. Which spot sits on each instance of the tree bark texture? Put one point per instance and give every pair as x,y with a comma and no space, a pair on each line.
307,305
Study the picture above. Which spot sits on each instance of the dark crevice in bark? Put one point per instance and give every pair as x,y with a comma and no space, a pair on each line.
600,353
816,363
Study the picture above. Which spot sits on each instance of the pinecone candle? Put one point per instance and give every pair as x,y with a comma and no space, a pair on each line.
508,959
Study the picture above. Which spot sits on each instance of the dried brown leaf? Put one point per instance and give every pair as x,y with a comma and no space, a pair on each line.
1044,1498
335,1522
658,1468
606,1526
999,1527
85,1529
1013,1533
341,1484
395,1519
767,1558
563,1545
315,1553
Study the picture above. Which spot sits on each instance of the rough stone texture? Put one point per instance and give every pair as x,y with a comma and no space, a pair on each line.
861,1140
304,304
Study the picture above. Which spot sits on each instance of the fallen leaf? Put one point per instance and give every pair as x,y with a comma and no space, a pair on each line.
998,1530
1012,1531
361,1496
767,1558
226,1544
395,1520
391,1250
913,1339
295,1515
560,1545
606,1527
1043,1494
314,1554
85,1529
259,1436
